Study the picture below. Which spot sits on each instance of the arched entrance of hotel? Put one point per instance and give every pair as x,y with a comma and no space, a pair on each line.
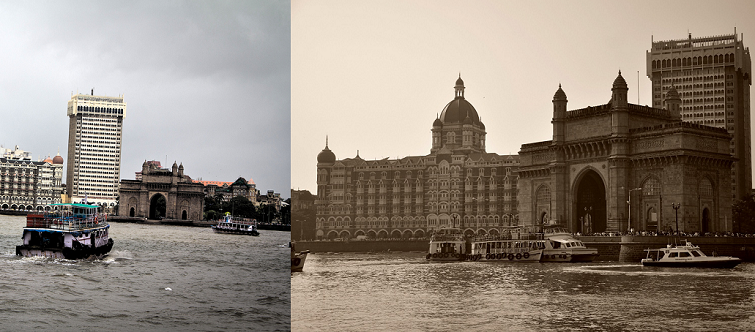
590,205
157,207
706,221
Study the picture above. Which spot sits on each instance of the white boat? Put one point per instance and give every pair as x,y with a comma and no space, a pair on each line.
230,226
297,258
687,255
447,244
513,244
71,231
561,246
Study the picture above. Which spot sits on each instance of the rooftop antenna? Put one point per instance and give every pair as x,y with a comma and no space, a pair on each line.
638,87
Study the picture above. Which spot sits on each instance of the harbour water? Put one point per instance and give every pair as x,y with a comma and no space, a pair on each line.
403,292
167,278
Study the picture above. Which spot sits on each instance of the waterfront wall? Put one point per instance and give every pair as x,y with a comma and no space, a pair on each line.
362,246
628,249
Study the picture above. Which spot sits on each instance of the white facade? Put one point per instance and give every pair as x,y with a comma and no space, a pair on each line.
30,185
94,148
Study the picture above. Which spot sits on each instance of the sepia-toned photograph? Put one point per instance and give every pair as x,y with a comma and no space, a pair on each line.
521,166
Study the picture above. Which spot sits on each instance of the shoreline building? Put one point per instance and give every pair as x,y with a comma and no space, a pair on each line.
161,193
620,166
458,185
712,76
228,190
94,148
29,185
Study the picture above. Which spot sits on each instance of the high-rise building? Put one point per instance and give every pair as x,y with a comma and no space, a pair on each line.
94,147
712,77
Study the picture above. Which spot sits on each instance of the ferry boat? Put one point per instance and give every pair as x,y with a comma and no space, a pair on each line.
447,244
71,231
230,226
688,255
561,246
513,244
297,258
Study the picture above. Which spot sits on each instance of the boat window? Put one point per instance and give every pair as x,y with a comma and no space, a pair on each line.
684,254
673,254
695,253
568,245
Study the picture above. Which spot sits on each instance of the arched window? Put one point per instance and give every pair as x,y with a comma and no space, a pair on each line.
543,195
706,189
651,187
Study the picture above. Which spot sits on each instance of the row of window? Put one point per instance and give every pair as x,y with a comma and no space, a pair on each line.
693,61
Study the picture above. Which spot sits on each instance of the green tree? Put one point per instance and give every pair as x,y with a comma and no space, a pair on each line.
286,212
240,206
744,215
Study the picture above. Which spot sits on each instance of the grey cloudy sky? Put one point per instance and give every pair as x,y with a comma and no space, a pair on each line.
207,83
373,75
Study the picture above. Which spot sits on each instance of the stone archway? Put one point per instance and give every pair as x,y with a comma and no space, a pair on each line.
590,203
706,227
157,207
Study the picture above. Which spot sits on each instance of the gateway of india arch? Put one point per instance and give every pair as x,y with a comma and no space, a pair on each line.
608,168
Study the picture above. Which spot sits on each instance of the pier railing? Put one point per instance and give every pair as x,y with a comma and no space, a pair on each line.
68,222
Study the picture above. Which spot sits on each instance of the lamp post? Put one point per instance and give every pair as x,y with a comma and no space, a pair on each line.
629,204
676,209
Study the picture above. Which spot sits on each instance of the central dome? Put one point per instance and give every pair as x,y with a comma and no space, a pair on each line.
459,109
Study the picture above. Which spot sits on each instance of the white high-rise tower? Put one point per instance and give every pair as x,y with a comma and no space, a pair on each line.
94,148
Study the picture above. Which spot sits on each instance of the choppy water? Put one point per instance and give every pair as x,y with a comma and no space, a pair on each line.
166,278
401,291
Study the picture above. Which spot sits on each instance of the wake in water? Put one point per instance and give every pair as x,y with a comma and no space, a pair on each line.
119,255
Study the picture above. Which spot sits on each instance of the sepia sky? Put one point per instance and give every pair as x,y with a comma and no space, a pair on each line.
207,83
373,75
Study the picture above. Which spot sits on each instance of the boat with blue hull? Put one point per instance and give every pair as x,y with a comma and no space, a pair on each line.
70,231
228,225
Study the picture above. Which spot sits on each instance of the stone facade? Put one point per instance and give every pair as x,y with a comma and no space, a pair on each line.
302,215
620,166
458,184
184,199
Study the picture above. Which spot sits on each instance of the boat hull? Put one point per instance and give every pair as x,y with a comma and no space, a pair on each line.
297,262
234,231
445,257
728,263
527,256
65,252
569,256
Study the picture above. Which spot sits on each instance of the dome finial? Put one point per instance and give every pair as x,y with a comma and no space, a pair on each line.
326,141
459,88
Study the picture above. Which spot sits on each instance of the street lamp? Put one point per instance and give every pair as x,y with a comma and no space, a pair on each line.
676,209
629,204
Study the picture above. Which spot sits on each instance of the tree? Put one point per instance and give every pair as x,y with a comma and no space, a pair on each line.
286,212
241,206
743,215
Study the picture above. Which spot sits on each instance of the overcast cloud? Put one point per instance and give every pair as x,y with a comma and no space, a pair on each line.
207,84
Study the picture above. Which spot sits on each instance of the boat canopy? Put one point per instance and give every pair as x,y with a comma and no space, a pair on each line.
86,206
